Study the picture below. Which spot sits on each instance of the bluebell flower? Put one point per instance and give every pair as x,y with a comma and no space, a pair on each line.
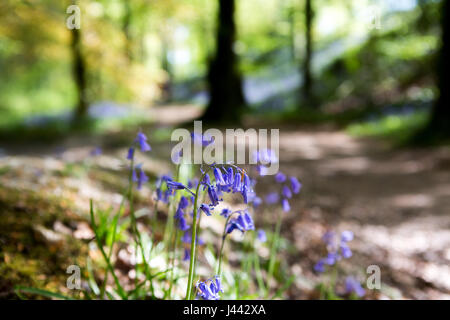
201,139
243,222
219,177
262,235
256,201
206,180
237,183
225,212
212,193
345,251
286,206
134,176
187,255
183,203
272,198
205,208
266,156
332,258
337,247
141,139
173,185
230,176
130,154
182,224
192,184
286,192
262,170
141,179
280,177
320,266
95,152
346,236
210,289
328,237
295,185
186,238
353,285
179,213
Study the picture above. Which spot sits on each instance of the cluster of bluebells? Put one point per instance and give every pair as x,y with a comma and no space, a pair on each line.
243,222
289,186
209,289
337,247
138,174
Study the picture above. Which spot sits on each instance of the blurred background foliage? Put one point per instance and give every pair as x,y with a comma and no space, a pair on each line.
135,54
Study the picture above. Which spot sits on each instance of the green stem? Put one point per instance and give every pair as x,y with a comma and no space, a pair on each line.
134,227
273,250
174,250
193,242
105,256
224,235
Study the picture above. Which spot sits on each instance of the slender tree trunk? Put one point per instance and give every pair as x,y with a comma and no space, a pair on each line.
79,74
307,94
167,67
226,100
126,31
439,124
291,19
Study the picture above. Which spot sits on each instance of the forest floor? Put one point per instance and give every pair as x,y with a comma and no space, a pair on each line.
396,201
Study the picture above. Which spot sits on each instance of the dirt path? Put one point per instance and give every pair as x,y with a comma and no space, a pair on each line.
396,202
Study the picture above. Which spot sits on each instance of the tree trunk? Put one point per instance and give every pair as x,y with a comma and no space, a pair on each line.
126,30
226,100
439,123
79,74
307,94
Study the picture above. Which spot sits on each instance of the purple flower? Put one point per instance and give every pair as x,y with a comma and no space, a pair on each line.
337,248
328,238
141,179
173,185
212,193
201,139
345,251
332,258
219,177
130,154
243,222
265,156
320,266
95,152
262,235
183,203
225,212
206,180
256,202
346,236
205,208
182,224
353,285
187,255
272,198
141,139
210,289
280,177
230,176
286,192
286,206
295,185
237,185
